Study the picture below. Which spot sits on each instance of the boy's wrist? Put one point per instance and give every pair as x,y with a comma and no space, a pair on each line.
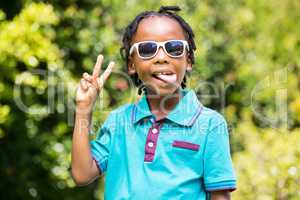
83,118
83,109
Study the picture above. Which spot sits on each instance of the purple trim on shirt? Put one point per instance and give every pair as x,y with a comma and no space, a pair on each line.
100,171
192,121
230,189
185,145
151,137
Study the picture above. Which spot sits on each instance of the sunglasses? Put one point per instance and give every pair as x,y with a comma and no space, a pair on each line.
149,49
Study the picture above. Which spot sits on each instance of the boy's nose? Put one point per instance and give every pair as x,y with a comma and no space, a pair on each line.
161,54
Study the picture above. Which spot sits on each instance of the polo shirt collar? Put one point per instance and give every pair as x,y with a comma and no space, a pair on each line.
185,112
141,110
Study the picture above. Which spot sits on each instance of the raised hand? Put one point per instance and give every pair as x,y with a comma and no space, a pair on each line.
91,85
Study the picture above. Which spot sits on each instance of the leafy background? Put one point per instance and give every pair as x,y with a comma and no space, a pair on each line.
247,67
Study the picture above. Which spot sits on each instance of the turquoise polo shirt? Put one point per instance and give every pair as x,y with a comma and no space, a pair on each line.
184,156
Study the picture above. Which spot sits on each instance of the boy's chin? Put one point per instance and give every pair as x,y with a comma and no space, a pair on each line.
161,92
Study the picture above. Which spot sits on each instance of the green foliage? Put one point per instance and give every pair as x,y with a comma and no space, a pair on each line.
26,37
247,66
35,147
268,167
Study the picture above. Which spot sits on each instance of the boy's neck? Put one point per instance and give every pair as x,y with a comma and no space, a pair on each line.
160,106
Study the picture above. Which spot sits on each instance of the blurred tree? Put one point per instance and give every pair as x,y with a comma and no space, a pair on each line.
268,167
34,156
247,64
11,8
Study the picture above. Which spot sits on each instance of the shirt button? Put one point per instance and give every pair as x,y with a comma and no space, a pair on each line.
154,131
150,144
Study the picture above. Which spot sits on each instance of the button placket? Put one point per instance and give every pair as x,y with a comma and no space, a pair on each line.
154,130
151,142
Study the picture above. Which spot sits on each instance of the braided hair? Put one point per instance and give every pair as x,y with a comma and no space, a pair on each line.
130,30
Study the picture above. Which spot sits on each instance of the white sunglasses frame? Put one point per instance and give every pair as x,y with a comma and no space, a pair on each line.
159,44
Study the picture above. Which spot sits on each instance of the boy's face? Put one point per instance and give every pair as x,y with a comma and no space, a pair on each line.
159,29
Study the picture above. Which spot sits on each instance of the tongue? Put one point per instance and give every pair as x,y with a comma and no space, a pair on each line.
167,78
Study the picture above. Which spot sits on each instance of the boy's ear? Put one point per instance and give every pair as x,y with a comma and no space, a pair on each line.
131,70
131,67
189,65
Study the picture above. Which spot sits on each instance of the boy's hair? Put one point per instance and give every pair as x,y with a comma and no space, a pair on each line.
168,11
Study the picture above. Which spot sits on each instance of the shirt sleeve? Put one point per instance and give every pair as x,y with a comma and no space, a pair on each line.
100,147
218,169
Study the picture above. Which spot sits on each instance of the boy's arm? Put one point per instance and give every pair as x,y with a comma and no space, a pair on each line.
220,195
84,168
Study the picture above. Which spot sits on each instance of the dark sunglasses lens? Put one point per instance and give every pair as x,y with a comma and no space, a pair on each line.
174,48
147,49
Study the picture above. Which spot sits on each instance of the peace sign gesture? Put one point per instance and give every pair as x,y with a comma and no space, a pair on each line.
91,85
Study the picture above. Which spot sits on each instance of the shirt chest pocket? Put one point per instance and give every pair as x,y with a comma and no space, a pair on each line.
185,145
183,150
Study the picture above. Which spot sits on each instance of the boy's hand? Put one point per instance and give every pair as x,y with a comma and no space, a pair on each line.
91,85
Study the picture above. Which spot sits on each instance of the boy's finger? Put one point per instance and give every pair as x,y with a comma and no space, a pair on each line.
105,74
83,84
108,70
87,77
97,67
